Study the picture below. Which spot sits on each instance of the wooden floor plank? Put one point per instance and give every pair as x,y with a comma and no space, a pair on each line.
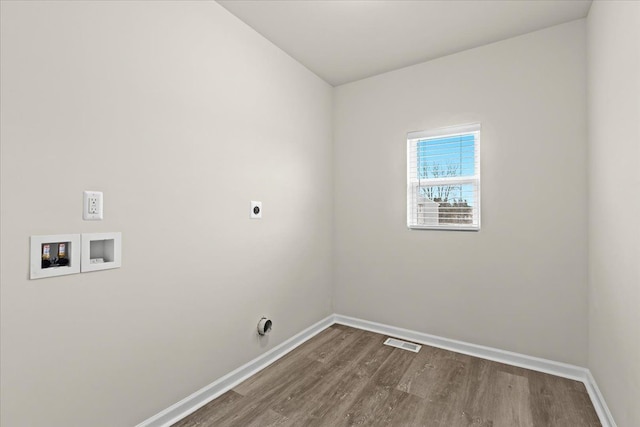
333,405
478,397
268,418
378,395
282,365
210,413
261,398
431,373
404,410
299,405
263,380
326,353
512,406
345,377
558,401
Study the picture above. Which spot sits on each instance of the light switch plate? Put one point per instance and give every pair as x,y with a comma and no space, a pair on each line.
92,206
256,210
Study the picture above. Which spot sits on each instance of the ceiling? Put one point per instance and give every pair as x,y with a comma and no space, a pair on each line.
346,40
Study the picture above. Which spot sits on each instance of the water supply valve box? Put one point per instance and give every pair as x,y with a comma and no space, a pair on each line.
54,255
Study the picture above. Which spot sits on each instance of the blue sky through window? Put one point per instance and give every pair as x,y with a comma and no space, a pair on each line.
448,156
451,156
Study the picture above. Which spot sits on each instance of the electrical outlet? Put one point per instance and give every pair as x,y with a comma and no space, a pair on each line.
256,210
92,206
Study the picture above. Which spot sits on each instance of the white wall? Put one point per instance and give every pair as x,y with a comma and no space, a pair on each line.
520,283
194,114
614,205
181,115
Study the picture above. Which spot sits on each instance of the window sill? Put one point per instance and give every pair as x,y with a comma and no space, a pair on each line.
444,227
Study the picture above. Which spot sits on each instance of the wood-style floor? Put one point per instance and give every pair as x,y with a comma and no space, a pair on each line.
346,376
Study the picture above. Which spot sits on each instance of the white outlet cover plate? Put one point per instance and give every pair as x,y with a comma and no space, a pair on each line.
92,206
253,214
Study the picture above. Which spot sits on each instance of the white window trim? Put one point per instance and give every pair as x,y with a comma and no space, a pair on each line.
475,179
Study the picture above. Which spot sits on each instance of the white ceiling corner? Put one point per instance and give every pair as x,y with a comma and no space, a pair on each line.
346,40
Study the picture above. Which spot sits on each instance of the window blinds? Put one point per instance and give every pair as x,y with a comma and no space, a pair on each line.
443,178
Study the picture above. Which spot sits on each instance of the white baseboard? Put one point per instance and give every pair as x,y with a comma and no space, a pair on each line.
205,395
598,402
195,401
510,358
516,359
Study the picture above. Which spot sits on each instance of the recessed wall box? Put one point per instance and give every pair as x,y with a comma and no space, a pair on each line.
54,255
101,251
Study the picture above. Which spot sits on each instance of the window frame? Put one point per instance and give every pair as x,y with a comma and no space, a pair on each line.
412,184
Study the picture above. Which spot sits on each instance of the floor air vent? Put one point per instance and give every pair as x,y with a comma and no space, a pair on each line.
403,345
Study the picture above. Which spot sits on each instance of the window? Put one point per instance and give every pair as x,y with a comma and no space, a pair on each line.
443,178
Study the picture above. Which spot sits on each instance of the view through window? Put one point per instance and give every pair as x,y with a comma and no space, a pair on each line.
443,178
